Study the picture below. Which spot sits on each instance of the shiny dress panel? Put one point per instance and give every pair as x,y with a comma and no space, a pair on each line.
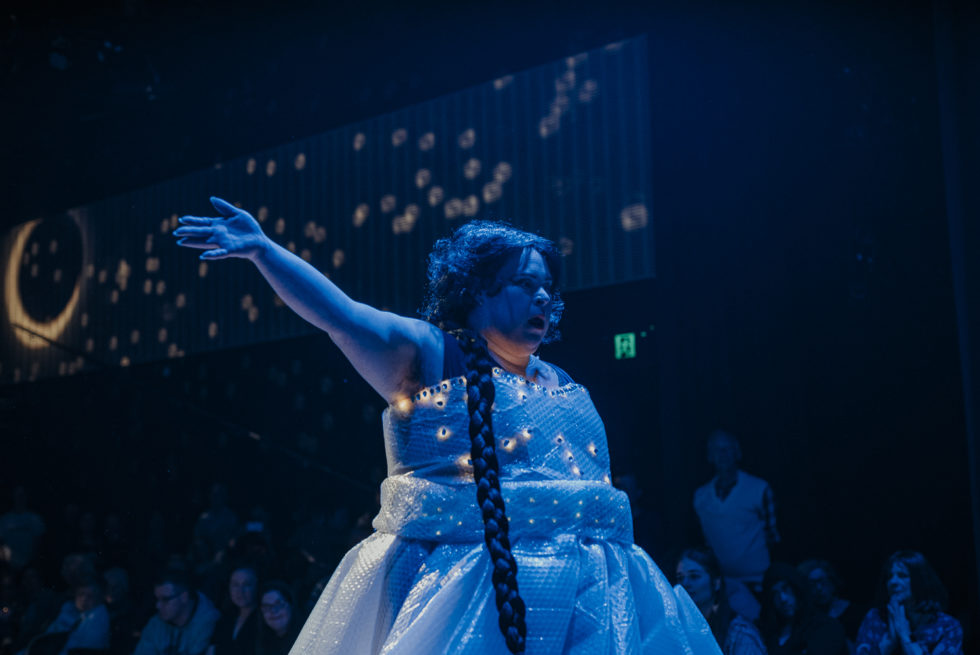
421,583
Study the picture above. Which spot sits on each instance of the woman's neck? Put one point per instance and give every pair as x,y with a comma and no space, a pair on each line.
511,362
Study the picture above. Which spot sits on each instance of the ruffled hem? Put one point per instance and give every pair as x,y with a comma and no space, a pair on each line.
396,596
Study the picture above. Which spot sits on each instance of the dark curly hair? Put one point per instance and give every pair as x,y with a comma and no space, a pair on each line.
466,263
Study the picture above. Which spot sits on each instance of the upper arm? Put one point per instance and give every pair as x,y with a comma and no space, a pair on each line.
394,354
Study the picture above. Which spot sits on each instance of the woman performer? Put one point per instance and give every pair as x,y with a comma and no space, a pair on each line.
474,415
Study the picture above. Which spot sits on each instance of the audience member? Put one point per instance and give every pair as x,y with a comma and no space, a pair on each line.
235,632
908,617
789,623
737,513
88,539
280,622
825,587
124,631
39,606
699,573
184,621
84,621
217,525
20,528
115,547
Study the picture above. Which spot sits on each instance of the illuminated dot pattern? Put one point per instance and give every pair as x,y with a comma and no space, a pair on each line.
548,487
362,205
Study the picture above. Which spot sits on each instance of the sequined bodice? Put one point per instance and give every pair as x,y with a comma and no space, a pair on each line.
554,463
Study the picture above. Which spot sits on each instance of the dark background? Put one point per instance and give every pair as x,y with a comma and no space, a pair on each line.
804,297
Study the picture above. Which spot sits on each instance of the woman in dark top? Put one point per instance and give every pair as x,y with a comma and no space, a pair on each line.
234,634
699,572
908,617
280,623
825,589
789,623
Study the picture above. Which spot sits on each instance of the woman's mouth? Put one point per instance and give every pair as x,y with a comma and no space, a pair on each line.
537,322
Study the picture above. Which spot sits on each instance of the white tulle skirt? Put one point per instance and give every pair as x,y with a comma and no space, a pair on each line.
400,596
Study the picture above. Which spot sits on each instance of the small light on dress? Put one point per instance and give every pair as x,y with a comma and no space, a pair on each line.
509,445
403,404
592,449
443,433
606,479
526,435
576,470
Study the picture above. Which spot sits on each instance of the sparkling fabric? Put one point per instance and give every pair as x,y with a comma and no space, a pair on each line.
421,583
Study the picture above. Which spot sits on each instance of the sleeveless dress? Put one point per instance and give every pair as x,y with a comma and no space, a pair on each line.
420,584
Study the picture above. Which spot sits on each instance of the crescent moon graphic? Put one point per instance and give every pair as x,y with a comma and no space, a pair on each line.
15,307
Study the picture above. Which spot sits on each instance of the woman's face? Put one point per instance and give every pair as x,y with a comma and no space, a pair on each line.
899,583
276,611
784,600
519,312
821,587
696,582
241,588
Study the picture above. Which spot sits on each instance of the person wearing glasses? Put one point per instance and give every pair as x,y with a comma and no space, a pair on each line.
184,621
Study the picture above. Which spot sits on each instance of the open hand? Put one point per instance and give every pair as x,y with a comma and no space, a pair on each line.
233,234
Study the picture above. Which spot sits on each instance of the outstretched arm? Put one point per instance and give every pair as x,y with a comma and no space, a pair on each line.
394,354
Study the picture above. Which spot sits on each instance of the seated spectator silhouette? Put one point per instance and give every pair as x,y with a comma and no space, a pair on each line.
184,621
123,628
699,573
737,514
908,616
280,621
235,631
789,623
39,606
216,526
82,623
20,528
825,586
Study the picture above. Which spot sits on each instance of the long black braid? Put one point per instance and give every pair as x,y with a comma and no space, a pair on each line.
461,268
480,394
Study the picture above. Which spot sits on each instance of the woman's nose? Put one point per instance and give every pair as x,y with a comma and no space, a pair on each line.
541,297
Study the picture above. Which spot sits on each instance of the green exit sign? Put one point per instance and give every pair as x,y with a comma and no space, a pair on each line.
625,345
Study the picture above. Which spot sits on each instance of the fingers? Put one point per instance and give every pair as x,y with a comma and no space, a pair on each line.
224,208
196,243
193,232
216,253
196,220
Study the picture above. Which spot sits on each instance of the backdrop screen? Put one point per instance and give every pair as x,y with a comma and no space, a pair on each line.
562,150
